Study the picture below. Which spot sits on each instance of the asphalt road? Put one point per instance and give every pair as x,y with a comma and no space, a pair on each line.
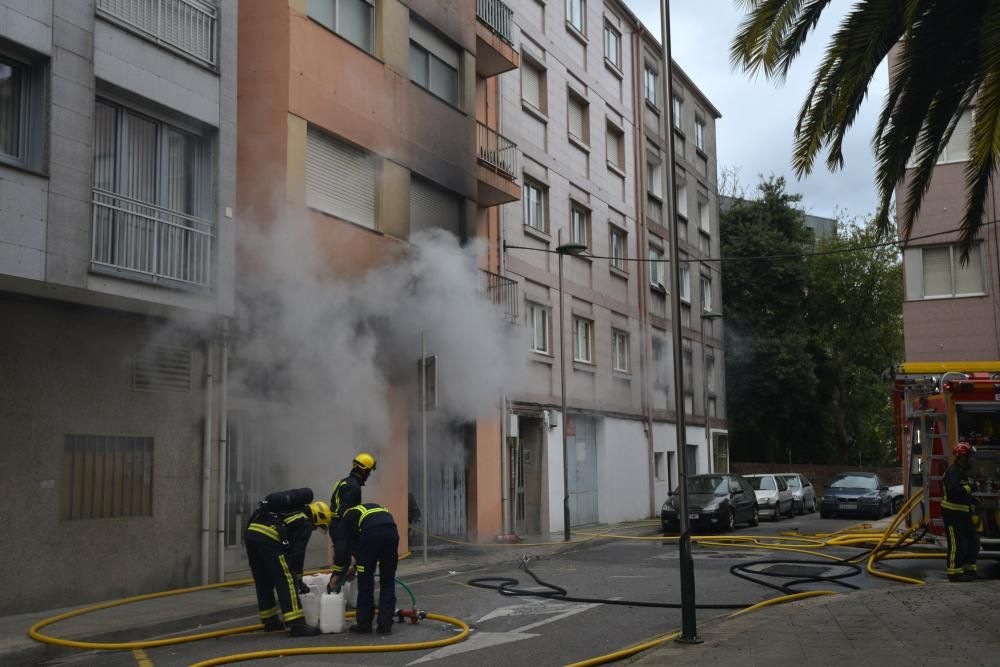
538,632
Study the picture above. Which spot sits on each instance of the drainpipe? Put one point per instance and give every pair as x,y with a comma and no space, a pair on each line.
206,465
639,143
223,442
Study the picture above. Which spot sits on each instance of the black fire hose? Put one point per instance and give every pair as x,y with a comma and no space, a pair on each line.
507,586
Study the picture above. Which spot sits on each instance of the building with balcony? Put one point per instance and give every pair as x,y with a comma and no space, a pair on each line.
364,124
588,116
117,193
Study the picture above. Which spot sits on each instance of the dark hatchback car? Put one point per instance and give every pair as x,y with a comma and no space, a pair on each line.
856,493
714,501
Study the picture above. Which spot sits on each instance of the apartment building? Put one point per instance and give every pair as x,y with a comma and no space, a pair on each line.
365,123
586,111
117,192
951,310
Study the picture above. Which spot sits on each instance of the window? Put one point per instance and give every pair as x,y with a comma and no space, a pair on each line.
957,148
433,63
187,27
618,254
577,117
649,84
654,184
153,197
699,133
354,20
616,147
657,267
106,477
433,207
710,373
533,85
944,275
538,320
676,106
14,79
579,231
534,206
687,364
619,342
682,197
706,295
703,220
575,12
658,466
685,284
613,45
340,179
692,459
582,339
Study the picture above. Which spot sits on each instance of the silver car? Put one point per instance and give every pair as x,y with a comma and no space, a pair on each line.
774,498
803,493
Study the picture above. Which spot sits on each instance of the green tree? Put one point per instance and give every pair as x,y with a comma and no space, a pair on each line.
948,56
770,377
854,312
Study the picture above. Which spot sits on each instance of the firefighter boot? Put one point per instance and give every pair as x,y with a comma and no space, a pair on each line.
300,629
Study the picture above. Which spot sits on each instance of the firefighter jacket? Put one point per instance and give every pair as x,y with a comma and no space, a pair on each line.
353,522
957,490
290,530
346,494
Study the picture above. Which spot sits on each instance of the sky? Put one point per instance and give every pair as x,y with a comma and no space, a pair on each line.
754,135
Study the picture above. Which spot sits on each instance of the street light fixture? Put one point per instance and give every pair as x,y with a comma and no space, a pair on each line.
564,249
689,630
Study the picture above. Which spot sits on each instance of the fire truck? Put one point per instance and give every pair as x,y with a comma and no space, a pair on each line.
937,405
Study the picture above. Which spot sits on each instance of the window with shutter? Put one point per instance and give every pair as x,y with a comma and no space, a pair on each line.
340,179
433,207
682,198
577,118
957,149
614,146
968,278
531,85
937,271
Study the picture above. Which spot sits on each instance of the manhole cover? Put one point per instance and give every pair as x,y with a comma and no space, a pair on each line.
789,570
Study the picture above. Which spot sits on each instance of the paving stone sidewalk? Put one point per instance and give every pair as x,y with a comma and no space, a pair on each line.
936,624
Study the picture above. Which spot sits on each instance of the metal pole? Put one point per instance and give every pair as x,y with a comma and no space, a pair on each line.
423,435
689,630
562,426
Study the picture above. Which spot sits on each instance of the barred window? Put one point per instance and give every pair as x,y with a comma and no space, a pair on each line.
107,476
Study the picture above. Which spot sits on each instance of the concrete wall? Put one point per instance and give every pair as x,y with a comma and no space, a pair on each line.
54,384
622,470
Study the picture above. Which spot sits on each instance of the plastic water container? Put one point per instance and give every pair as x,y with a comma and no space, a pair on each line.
310,606
317,581
331,612
351,593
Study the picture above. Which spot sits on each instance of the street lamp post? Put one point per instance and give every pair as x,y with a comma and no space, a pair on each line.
564,249
689,630
707,316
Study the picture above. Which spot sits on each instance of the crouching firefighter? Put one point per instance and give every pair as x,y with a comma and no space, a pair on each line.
368,532
276,539
957,509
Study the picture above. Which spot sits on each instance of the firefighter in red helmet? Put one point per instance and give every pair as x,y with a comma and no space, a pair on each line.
957,509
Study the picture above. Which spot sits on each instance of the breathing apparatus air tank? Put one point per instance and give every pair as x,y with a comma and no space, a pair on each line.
284,501
331,612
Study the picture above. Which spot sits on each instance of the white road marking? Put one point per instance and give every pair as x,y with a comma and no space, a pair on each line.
529,608
474,642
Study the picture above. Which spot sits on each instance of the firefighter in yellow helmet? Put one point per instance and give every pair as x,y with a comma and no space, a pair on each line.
347,492
957,509
276,539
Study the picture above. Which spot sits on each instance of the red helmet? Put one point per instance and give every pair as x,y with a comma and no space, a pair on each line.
962,449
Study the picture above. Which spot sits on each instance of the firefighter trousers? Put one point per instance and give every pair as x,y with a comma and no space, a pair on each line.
963,542
378,547
271,574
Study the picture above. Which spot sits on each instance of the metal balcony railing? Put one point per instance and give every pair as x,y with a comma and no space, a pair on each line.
498,17
150,241
501,291
187,26
497,151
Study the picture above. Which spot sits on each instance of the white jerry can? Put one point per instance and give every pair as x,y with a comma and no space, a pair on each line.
331,612
351,593
310,606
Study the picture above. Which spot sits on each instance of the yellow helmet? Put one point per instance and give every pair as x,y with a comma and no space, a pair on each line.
320,513
365,461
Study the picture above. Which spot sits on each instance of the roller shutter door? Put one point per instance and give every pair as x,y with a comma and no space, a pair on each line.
340,179
431,206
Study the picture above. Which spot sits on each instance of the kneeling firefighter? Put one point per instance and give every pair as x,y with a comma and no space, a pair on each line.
276,539
368,532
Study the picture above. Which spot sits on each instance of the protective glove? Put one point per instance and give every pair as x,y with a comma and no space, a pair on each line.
303,589
334,585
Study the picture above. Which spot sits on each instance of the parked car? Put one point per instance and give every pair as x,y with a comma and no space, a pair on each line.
803,493
898,496
774,498
860,493
714,501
